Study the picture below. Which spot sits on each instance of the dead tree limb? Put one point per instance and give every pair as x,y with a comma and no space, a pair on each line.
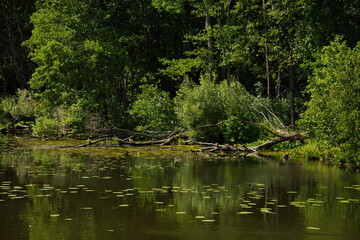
89,142
147,143
165,138
145,134
284,138
244,121
266,145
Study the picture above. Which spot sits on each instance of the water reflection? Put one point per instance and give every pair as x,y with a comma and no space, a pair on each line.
58,194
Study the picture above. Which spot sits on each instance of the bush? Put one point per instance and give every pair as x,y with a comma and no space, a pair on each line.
200,105
153,110
210,103
4,122
71,119
238,103
21,107
333,112
94,123
46,126
60,120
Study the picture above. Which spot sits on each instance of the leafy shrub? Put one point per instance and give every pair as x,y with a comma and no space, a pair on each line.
238,103
153,110
240,132
94,123
71,119
3,120
60,120
21,107
318,150
46,126
333,112
200,105
210,103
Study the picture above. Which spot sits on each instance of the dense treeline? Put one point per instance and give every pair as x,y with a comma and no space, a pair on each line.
90,65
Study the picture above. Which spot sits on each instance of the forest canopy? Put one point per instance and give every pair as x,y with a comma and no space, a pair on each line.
76,66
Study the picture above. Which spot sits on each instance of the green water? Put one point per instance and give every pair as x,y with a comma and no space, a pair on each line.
117,193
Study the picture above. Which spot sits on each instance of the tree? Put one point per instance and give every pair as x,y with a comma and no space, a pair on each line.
15,67
333,111
201,56
153,110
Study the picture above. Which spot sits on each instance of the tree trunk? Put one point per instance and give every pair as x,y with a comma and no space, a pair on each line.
209,40
292,91
266,53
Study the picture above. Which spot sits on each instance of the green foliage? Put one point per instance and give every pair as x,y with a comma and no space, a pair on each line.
238,103
87,51
319,150
21,107
239,132
153,110
333,113
4,122
197,106
90,58
46,126
64,120
210,103
71,119
60,120
173,6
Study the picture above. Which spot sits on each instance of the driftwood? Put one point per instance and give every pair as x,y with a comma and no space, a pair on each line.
212,147
146,143
281,136
118,132
286,137
149,138
275,132
89,142
159,138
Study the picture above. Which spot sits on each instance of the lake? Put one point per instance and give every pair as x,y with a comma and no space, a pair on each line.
171,193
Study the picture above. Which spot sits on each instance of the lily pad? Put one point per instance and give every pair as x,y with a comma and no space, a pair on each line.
312,228
86,208
244,213
208,220
180,213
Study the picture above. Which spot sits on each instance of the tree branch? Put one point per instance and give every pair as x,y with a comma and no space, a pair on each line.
244,121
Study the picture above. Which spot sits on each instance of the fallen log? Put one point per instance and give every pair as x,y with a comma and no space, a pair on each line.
166,138
282,138
89,142
266,145
146,143
144,134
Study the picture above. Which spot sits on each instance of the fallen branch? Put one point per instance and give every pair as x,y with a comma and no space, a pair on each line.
165,138
146,143
244,121
266,145
145,134
89,142
283,138
219,147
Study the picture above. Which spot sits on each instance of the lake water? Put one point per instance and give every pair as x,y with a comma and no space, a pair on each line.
119,193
